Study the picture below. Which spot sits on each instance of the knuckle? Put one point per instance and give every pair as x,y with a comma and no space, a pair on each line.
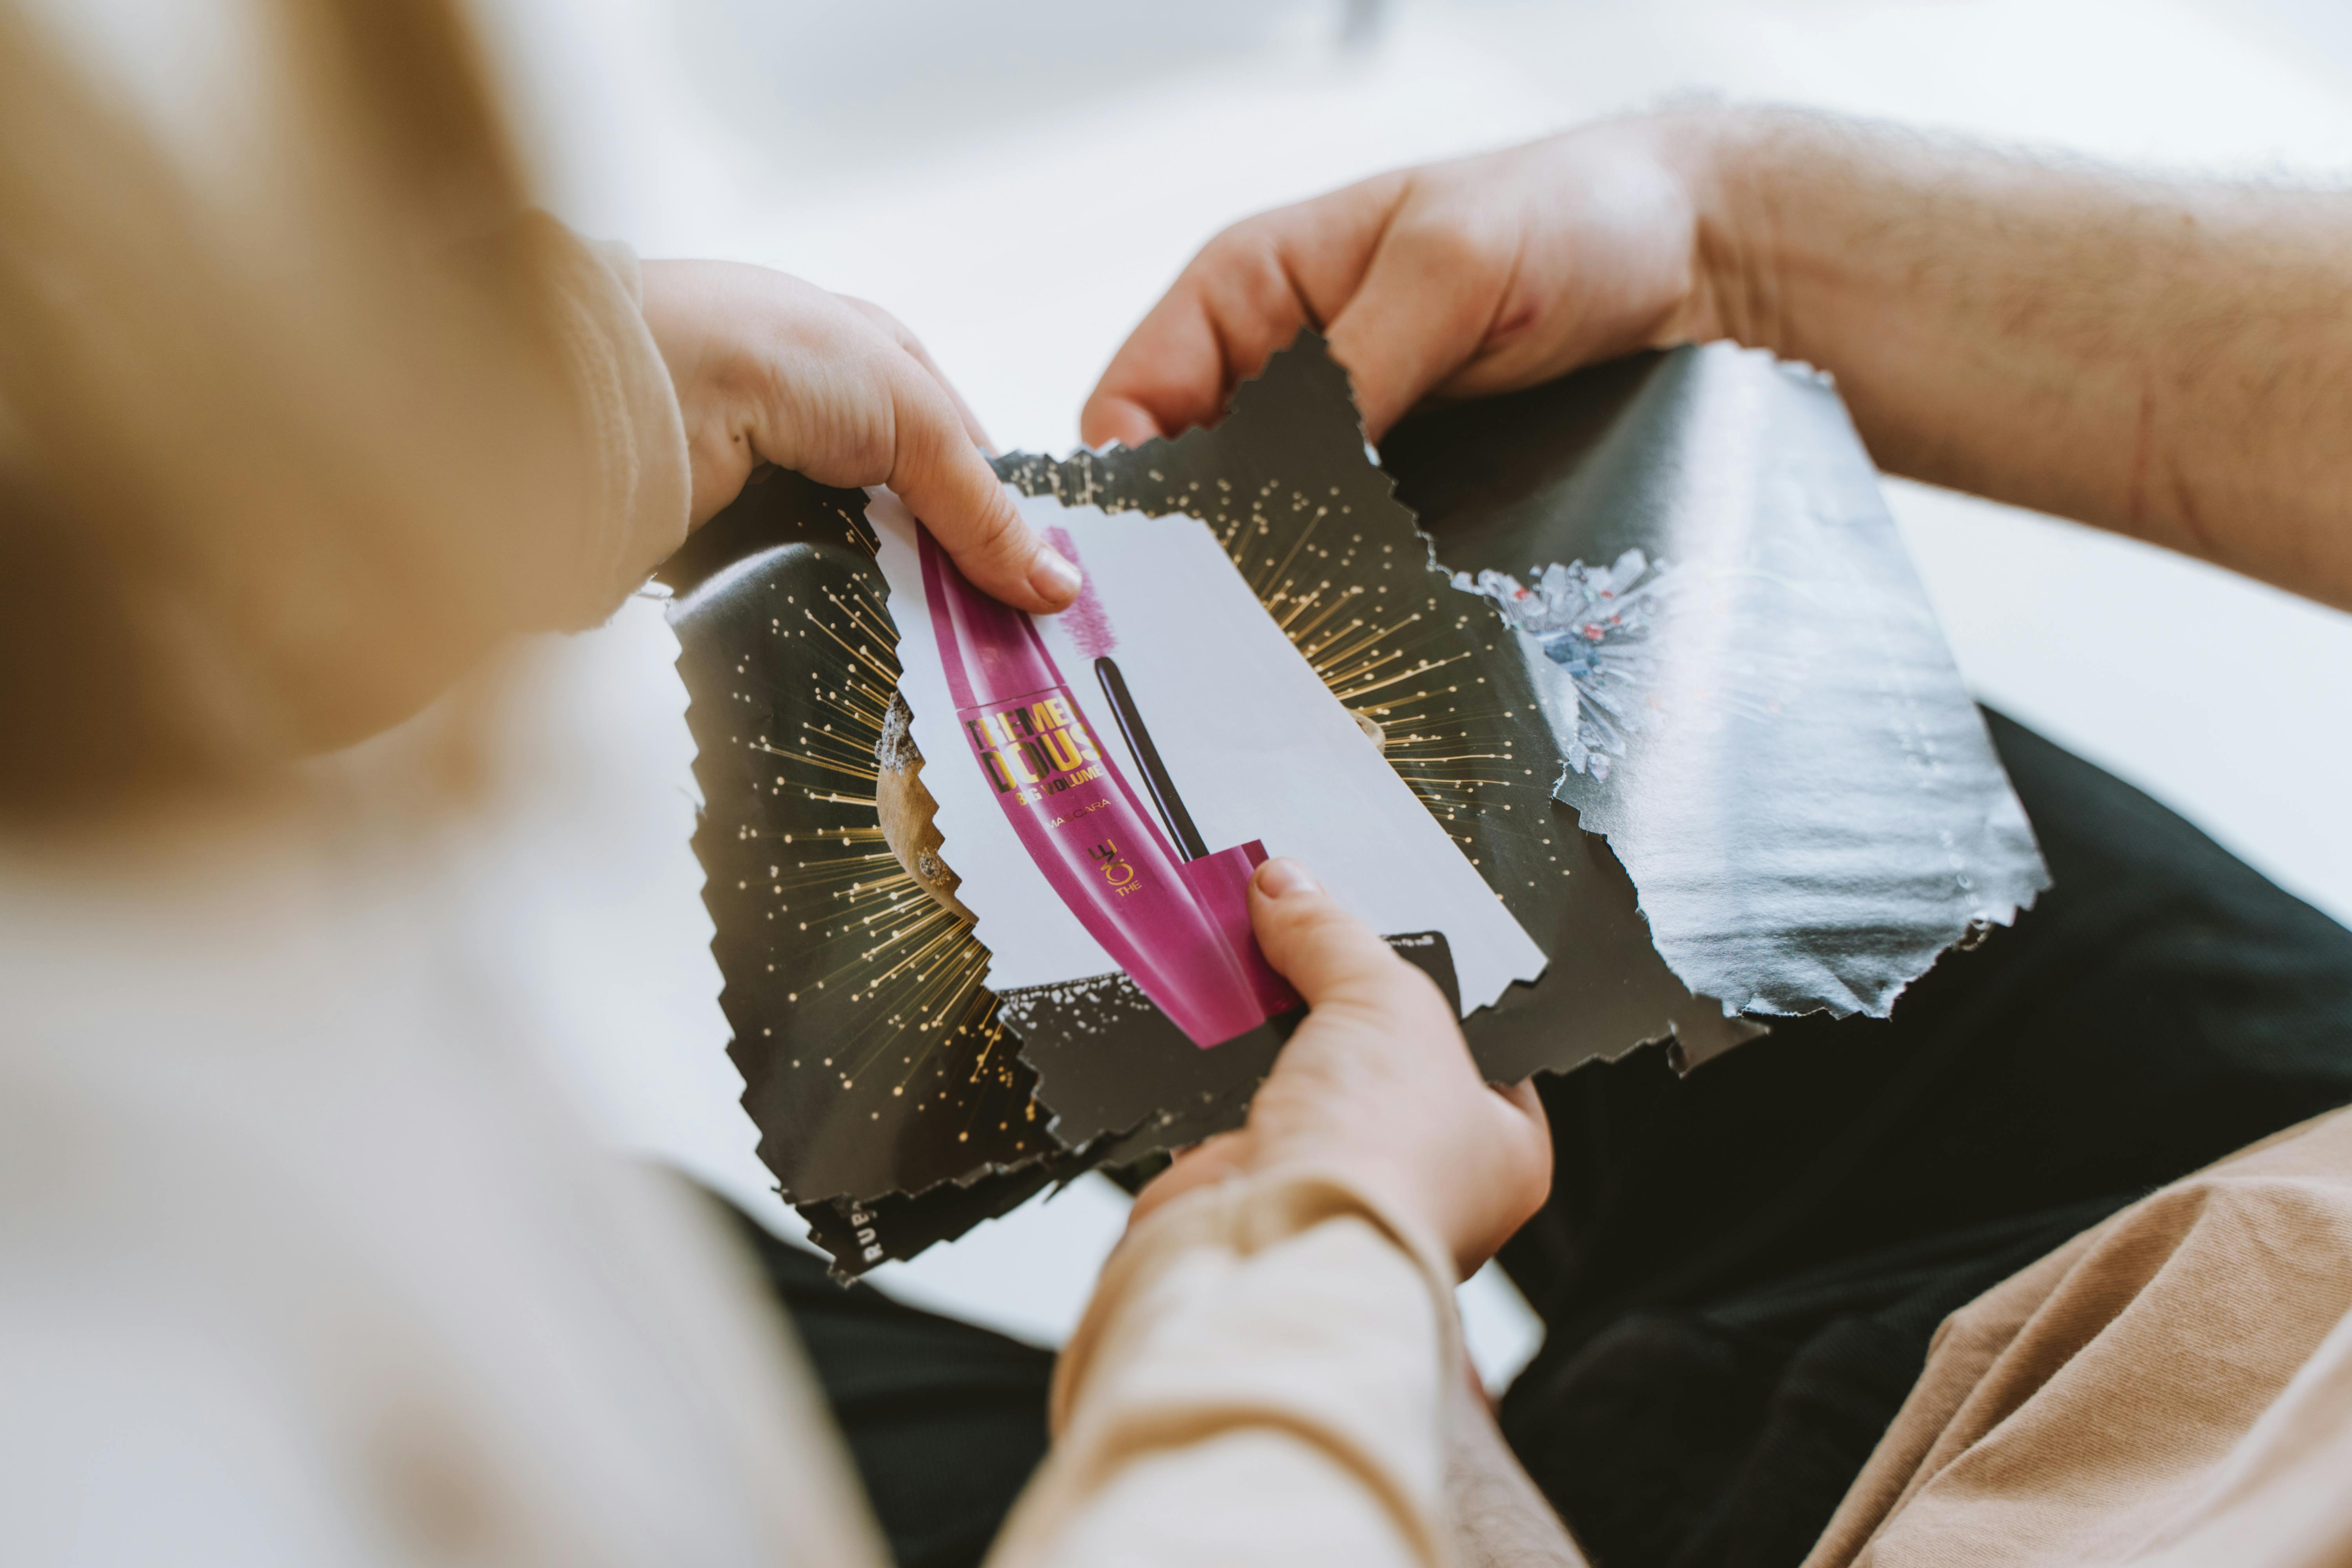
1313,918
873,312
998,531
1246,238
1362,961
1251,250
1444,238
925,421
901,333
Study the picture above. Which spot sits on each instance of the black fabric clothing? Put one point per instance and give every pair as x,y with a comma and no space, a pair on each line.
1739,1272
945,1420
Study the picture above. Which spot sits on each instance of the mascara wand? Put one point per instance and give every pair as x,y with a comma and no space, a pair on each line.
1090,630
1163,789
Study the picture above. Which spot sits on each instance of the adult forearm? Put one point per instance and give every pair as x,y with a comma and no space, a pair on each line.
2170,360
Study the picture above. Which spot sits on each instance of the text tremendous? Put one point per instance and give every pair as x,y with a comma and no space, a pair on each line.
1032,750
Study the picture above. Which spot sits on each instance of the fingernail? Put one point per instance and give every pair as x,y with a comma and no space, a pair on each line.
1280,879
1053,577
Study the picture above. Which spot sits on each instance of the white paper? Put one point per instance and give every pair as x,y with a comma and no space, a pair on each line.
1258,745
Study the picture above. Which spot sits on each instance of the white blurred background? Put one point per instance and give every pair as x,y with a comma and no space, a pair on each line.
1017,181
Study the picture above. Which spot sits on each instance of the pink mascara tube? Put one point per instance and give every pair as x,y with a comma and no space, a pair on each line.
1169,923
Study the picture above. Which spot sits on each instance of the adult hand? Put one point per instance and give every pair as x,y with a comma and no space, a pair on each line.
1459,280
1376,1086
771,369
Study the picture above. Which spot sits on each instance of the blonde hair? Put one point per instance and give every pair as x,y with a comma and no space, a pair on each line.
281,431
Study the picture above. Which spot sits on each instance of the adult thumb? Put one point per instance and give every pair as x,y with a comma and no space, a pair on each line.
943,478
1326,952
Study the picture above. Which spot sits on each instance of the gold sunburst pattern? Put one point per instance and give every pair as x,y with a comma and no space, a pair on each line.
874,1058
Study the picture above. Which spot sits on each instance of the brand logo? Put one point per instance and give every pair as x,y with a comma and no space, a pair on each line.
1114,866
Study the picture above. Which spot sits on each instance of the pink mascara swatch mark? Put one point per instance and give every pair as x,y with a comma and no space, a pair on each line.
1089,622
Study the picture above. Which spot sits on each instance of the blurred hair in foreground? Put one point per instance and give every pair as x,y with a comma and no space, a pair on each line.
283,427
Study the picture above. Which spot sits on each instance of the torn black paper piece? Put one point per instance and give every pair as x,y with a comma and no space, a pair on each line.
872,1061
1748,688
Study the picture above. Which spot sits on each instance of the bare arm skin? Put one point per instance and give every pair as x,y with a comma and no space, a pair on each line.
2168,359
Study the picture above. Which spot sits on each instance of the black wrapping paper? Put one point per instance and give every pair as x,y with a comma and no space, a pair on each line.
871,1058
1772,734
1773,740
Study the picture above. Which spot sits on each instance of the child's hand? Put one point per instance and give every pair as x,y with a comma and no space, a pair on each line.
1461,279
1376,1085
771,369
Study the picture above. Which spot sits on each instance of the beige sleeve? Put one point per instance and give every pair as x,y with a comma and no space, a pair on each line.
643,483
1263,1376
2173,1387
